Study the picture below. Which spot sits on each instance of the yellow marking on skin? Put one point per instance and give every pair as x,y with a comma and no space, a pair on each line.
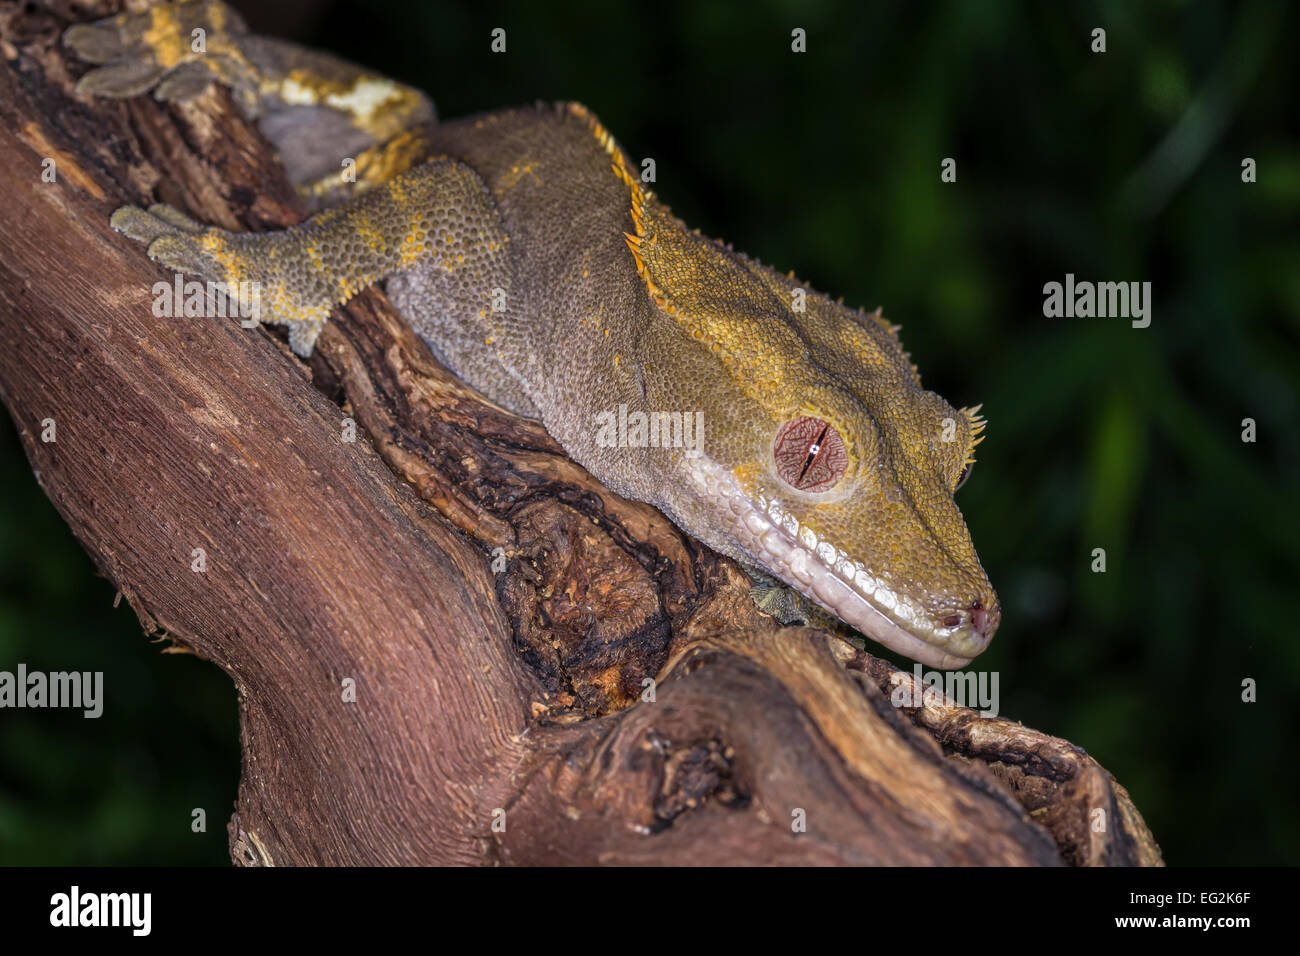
163,36
366,99
412,246
398,191
398,154
372,237
171,45
296,94
746,474
230,261
517,173
317,263
665,251
622,169
217,12
376,165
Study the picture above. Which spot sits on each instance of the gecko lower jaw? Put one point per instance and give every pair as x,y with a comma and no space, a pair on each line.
813,572
804,571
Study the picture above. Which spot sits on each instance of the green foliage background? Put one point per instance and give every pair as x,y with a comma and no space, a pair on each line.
1123,166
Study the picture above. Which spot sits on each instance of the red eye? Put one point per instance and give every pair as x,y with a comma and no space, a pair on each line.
810,454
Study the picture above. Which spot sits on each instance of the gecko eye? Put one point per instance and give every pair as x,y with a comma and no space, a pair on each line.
810,454
965,473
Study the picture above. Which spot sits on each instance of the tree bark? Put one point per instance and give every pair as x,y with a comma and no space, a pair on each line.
499,611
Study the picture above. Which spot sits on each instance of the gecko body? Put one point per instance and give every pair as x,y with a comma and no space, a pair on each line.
521,246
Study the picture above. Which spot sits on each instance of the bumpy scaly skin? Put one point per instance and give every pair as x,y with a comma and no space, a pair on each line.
437,219
533,263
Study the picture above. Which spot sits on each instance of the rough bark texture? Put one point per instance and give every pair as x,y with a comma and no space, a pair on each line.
482,695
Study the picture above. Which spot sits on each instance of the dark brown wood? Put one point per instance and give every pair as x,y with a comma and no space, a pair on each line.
483,694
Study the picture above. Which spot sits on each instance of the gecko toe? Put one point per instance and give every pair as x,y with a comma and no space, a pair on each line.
120,79
102,41
175,49
173,217
144,226
184,83
302,336
181,253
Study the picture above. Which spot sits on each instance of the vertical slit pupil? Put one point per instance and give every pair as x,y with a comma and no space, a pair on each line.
813,450
809,454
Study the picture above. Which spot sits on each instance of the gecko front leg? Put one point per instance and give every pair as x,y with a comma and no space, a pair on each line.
437,217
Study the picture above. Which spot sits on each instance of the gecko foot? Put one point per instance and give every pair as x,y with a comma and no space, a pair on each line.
174,49
791,608
174,239
237,261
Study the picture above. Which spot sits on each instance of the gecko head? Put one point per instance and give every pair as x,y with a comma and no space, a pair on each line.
823,459
853,507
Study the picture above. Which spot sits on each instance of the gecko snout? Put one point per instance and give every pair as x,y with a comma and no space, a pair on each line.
983,616
984,619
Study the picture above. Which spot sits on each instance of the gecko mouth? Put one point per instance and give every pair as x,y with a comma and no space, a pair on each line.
821,572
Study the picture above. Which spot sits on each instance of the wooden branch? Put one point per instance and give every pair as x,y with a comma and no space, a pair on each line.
481,696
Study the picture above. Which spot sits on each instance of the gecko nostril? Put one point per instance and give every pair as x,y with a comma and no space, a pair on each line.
981,620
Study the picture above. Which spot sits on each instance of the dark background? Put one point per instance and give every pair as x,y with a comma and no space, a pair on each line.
1123,166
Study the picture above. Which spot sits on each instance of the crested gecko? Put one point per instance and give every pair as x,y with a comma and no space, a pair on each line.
526,252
